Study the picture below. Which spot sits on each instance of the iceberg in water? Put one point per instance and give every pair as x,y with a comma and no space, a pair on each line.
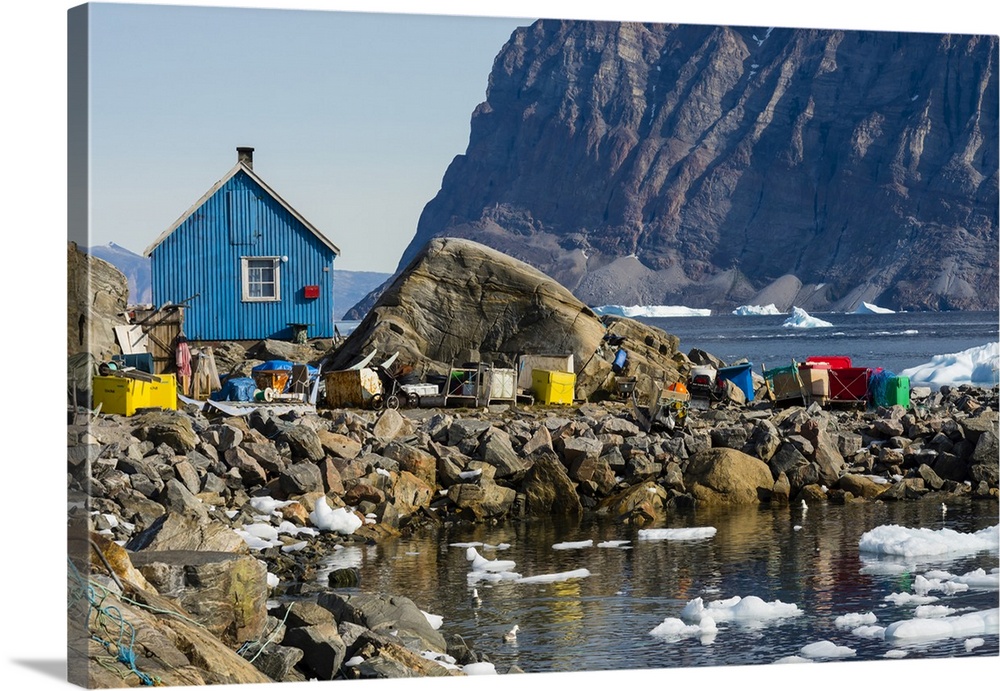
755,310
869,308
652,311
895,540
977,366
986,622
800,319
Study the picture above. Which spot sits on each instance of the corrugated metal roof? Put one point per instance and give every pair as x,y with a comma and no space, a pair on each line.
240,166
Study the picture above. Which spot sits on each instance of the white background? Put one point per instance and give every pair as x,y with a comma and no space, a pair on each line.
33,170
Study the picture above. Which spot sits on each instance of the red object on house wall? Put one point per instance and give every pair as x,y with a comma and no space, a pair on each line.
310,291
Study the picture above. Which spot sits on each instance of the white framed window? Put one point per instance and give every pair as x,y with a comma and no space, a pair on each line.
261,279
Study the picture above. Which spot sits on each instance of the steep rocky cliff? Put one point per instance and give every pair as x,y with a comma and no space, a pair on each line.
717,166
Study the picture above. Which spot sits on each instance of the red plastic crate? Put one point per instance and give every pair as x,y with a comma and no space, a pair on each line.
849,384
835,361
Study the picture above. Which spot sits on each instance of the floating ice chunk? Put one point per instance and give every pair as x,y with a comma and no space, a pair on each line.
339,520
973,643
977,365
791,659
869,308
922,586
978,579
748,611
826,649
573,545
895,654
876,632
674,629
481,563
435,620
850,621
931,611
555,577
474,577
986,622
611,544
755,310
800,319
909,599
652,311
925,542
479,668
676,533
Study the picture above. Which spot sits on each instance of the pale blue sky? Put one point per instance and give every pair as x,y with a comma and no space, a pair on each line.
354,117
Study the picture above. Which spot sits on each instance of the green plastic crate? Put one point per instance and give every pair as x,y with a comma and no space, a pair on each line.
897,391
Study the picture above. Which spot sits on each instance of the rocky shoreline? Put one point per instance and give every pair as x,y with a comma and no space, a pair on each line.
210,518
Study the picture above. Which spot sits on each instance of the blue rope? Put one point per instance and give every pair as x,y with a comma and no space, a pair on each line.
126,653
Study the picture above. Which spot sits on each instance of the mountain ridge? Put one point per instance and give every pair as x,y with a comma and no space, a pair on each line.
717,166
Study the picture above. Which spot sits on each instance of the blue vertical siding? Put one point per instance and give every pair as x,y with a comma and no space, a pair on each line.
202,256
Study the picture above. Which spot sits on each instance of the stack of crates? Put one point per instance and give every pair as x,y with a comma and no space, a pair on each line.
815,378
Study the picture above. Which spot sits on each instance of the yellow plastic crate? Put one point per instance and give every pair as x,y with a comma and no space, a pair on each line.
553,388
163,394
120,395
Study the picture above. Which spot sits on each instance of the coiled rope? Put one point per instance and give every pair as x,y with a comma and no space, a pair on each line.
120,643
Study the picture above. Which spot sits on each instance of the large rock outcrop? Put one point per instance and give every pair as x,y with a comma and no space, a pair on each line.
97,297
458,296
718,166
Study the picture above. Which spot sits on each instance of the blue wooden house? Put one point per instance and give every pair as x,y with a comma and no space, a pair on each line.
246,264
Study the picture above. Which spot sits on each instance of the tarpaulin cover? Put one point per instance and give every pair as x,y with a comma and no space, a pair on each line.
272,365
278,365
238,389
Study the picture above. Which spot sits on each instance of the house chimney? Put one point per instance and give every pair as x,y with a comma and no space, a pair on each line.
244,155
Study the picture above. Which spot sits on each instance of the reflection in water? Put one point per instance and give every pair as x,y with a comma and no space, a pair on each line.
603,621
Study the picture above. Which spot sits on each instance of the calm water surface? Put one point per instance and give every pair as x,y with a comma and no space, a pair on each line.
602,622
